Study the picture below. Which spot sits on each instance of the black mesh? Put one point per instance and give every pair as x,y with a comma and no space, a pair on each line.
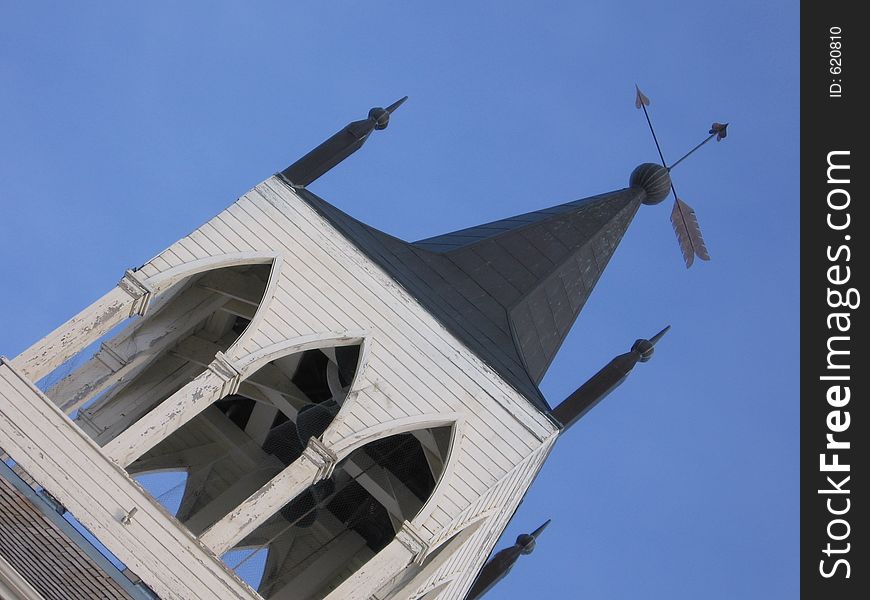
403,456
313,419
302,511
347,357
343,509
237,408
360,512
283,442
310,376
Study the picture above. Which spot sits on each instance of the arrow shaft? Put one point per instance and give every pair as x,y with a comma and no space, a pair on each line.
690,152
655,138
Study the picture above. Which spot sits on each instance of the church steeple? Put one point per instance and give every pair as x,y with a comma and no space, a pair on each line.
346,406
539,268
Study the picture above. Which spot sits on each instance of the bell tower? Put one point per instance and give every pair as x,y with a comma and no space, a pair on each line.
290,404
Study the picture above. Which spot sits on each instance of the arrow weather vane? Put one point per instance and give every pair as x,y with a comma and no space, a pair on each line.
683,217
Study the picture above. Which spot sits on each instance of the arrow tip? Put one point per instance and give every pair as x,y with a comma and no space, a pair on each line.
640,98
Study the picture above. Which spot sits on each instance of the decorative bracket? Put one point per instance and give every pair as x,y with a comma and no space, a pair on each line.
322,456
227,372
411,539
141,292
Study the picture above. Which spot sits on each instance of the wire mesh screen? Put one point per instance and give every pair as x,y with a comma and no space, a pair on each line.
234,447
230,450
223,466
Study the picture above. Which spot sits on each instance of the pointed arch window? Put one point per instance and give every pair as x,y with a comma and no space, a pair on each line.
239,443
115,381
334,527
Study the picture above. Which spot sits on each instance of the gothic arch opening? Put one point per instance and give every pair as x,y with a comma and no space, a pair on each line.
144,361
239,443
333,528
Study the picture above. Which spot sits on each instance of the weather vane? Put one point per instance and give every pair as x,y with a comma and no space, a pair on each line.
683,217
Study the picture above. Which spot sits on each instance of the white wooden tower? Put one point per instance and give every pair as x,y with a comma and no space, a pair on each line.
360,410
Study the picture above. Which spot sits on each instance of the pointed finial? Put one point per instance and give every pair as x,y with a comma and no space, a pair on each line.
502,562
659,335
399,103
540,529
526,541
572,408
338,147
645,347
381,116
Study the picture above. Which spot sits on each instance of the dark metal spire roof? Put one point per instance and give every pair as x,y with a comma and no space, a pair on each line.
510,289
541,267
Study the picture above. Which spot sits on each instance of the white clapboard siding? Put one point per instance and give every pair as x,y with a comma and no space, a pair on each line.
320,243
499,503
414,365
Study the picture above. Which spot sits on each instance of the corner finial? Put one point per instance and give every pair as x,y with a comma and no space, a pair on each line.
381,116
645,347
527,541
611,376
338,147
502,562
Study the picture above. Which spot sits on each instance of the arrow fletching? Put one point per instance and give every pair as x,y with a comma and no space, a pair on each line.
688,232
640,99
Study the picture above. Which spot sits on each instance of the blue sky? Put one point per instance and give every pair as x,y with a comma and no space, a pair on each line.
125,127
